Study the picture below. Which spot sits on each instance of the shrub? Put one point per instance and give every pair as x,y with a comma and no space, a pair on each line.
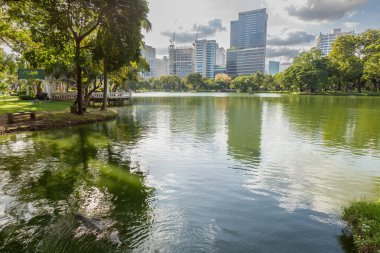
26,97
364,219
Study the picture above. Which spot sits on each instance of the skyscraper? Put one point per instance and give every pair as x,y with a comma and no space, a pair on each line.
181,61
324,41
220,57
205,57
149,53
248,43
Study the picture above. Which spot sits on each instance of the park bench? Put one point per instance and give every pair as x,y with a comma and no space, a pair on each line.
12,116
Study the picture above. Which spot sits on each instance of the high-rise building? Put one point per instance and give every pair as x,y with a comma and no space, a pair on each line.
220,57
181,61
324,41
245,61
248,43
220,65
149,53
157,67
205,57
166,65
274,67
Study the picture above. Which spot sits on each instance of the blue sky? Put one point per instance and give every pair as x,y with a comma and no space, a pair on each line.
292,24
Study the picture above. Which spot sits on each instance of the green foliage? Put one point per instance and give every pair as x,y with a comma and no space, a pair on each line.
222,81
26,97
169,83
194,81
66,36
364,219
353,63
347,60
242,83
309,72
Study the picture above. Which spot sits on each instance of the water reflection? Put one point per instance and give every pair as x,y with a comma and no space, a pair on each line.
244,130
194,173
47,177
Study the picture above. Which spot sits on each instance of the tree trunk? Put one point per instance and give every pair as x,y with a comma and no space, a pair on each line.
79,76
359,86
104,103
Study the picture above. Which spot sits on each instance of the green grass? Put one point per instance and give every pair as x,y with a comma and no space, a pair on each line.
13,104
364,219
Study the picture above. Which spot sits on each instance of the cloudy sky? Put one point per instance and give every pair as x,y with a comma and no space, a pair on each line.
292,24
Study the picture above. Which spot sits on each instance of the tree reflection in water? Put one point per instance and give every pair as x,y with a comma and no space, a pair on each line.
47,177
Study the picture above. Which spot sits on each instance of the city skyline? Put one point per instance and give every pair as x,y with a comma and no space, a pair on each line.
292,26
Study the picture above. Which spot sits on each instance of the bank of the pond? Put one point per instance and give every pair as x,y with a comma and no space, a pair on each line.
363,218
327,93
339,93
56,119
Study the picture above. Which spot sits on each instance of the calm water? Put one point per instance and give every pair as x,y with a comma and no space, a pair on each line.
194,173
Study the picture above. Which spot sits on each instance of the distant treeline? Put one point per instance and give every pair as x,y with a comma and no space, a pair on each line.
352,65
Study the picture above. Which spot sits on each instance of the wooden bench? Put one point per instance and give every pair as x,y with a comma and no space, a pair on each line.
12,116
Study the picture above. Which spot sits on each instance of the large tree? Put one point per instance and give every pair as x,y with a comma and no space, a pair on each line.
58,25
80,25
310,71
119,36
346,58
370,49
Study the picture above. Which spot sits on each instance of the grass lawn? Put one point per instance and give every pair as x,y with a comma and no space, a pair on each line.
13,104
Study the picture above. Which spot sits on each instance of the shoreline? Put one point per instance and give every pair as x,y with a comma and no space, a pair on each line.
348,94
55,119
363,225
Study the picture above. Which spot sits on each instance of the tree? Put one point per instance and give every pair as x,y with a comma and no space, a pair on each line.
346,58
242,83
222,81
257,81
60,24
310,71
8,71
370,49
170,83
119,36
128,75
194,81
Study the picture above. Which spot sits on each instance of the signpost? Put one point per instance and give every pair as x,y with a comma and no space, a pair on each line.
27,74
30,74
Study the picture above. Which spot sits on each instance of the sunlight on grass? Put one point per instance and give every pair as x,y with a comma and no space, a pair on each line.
13,104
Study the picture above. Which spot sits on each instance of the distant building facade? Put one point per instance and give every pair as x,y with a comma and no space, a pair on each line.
324,41
149,54
274,67
181,61
166,65
205,57
245,61
220,57
248,43
158,67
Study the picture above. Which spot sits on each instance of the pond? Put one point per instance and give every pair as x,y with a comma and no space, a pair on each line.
182,172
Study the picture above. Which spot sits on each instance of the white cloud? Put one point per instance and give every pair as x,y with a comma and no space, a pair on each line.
285,16
351,25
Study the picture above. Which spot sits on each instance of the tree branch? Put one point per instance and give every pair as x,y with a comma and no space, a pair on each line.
75,34
10,45
91,29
